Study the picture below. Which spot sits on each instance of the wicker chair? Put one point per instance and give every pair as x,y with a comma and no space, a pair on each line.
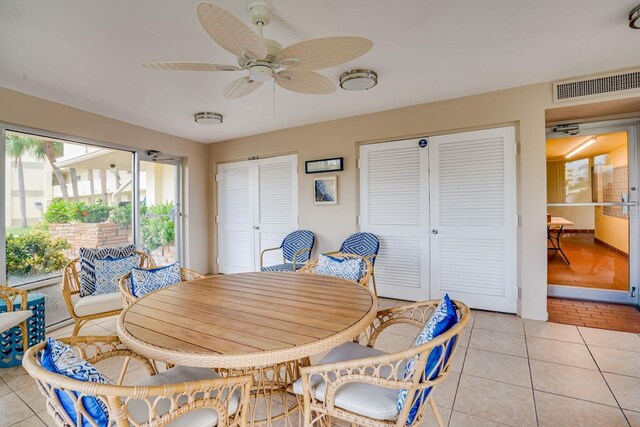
11,317
356,373
366,270
125,285
366,245
296,250
156,401
71,295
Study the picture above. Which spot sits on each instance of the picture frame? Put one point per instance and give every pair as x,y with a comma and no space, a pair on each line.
335,164
325,191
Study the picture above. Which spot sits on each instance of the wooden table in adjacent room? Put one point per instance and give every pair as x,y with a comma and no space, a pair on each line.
268,324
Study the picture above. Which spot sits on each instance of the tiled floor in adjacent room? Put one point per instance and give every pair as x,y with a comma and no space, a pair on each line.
506,372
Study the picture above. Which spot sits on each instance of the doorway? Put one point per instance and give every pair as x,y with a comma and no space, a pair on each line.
592,232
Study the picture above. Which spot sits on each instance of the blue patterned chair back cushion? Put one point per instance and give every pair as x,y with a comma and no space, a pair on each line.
442,319
293,242
88,258
344,268
144,281
363,244
109,271
61,359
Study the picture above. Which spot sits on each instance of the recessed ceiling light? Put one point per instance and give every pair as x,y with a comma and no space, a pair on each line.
634,18
358,80
206,118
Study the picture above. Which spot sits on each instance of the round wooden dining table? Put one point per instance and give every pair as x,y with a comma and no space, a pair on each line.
265,323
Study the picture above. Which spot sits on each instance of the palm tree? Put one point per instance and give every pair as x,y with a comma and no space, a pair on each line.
16,147
43,148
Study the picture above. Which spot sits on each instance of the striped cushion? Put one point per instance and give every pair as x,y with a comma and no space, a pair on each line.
88,258
281,267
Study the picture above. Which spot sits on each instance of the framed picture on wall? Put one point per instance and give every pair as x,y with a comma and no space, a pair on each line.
325,190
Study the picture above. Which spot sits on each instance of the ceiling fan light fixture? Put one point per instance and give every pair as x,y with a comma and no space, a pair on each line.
207,118
359,79
634,18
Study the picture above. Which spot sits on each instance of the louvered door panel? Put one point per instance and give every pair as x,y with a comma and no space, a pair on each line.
394,201
236,246
473,218
276,208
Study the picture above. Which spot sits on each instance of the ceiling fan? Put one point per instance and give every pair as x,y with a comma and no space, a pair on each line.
291,68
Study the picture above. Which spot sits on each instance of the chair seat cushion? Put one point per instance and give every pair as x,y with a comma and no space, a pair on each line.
94,304
110,270
364,399
139,410
13,318
281,267
147,280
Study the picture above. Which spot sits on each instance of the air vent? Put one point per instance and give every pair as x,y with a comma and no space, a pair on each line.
618,84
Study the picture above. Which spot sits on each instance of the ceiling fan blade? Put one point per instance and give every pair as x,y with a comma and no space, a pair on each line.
308,82
240,87
323,53
230,32
190,66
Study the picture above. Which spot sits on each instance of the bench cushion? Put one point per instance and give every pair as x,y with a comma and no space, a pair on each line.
13,318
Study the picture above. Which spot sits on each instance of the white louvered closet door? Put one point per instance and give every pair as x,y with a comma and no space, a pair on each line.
276,207
473,218
394,200
236,247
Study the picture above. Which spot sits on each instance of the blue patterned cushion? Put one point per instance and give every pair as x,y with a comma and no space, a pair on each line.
345,268
144,281
61,359
109,271
88,258
443,319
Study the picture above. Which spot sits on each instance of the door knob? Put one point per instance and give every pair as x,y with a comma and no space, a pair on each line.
256,227
434,231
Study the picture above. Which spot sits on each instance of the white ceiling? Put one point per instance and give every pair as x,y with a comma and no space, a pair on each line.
86,54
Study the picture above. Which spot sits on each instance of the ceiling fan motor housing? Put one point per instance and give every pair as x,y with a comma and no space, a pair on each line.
260,11
260,73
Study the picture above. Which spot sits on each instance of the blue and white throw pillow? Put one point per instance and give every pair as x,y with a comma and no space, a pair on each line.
109,271
344,268
88,258
61,359
144,281
443,319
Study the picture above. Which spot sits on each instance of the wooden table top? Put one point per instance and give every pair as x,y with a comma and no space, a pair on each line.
246,320
558,221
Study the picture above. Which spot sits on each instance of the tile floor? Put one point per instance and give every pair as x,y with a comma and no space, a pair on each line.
617,317
506,372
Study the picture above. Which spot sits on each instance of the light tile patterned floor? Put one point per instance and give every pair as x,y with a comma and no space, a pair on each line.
506,372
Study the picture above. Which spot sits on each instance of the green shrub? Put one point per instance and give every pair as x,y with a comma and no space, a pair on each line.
58,212
35,253
159,231
64,211
121,215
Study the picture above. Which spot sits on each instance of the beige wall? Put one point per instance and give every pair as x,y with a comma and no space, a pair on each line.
37,113
523,107
609,229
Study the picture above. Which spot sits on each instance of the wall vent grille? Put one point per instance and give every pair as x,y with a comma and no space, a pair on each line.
621,83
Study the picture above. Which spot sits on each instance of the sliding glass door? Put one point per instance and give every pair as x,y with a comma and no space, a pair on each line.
61,193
